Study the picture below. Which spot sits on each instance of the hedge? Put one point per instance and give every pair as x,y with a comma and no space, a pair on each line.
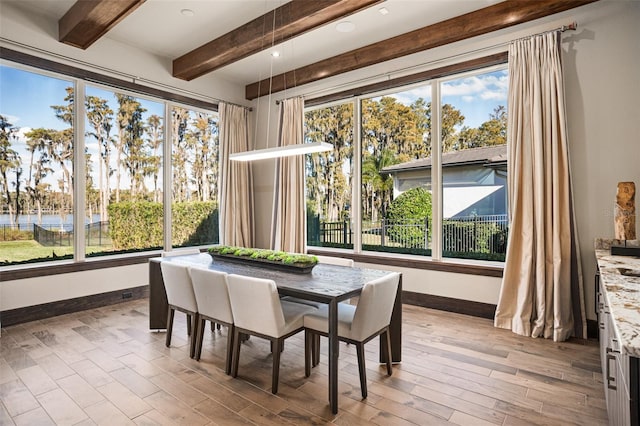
139,225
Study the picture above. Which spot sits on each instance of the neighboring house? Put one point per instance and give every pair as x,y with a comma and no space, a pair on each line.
474,180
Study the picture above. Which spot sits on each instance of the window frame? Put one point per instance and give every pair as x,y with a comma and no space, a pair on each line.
434,78
80,78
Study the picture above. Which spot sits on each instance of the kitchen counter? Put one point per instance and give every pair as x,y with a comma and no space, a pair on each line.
620,278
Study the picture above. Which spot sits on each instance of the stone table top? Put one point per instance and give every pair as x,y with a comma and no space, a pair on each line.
620,278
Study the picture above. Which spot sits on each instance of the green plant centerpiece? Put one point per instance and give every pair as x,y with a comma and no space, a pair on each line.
293,262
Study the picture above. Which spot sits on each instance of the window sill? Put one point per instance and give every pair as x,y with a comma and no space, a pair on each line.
457,266
35,270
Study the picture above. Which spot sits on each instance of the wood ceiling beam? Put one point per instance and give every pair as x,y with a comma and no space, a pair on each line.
88,20
482,21
291,19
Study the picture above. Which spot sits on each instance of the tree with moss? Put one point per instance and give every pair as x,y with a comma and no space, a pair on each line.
9,164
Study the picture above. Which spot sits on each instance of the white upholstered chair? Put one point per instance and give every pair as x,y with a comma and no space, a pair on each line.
328,260
180,252
212,298
358,324
332,260
258,311
180,297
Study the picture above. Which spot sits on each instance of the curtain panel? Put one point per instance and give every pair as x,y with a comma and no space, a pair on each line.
542,291
288,228
236,182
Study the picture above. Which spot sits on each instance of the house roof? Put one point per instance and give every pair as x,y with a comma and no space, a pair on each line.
486,155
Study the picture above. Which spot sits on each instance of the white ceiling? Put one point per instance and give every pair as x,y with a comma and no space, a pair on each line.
158,27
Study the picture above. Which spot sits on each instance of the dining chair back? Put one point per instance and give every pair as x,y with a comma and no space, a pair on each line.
180,297
181,252
374,308
357,324
332,260
258,311
212,298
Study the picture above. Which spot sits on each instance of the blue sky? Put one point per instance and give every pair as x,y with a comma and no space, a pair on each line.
30,108
476,96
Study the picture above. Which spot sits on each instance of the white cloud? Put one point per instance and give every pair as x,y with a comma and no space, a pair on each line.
13,119
487,87
21,133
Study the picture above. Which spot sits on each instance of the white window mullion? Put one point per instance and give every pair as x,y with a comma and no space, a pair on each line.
436,172
79,173
356,189
167,173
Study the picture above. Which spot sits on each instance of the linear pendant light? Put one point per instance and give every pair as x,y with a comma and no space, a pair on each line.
281,151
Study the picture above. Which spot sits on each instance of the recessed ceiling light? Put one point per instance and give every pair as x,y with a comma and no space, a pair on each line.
275,54
345,26
187,12
383,11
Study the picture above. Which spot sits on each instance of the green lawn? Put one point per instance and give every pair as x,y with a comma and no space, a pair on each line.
17,251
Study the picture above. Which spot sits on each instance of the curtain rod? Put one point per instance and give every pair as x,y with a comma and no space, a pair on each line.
134,79
570,27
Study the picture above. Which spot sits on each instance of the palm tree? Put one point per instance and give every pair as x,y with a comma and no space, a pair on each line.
378,186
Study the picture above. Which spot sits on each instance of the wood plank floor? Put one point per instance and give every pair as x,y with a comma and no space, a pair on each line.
104,366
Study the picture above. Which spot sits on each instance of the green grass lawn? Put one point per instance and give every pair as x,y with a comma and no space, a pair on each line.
17,251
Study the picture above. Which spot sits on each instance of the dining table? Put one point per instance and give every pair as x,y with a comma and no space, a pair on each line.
330,284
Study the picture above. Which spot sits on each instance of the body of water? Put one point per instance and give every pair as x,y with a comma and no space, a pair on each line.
48,220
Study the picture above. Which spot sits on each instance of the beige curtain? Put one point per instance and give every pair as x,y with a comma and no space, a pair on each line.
288,229
236,183
541,293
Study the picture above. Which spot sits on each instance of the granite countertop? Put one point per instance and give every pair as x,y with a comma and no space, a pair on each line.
620,277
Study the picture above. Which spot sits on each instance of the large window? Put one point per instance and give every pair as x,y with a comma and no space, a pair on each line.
329,177
410,201
115,168
194,177
36,166
123,149
395,130
474,166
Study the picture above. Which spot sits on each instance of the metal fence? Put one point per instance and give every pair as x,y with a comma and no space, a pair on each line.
472,236
96,234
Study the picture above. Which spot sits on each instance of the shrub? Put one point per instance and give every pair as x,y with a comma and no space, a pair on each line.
138,225
408,216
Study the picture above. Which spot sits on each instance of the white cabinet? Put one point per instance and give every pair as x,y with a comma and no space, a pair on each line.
615,368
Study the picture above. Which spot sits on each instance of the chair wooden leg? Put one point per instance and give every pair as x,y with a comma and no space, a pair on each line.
213,326
316,349
275,375
308,348
362,369
192,335
200,326
171,313
189,324
236,353
389,371
230,343
218,326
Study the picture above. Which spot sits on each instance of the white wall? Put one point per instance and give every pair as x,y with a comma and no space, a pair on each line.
35,291
602,65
